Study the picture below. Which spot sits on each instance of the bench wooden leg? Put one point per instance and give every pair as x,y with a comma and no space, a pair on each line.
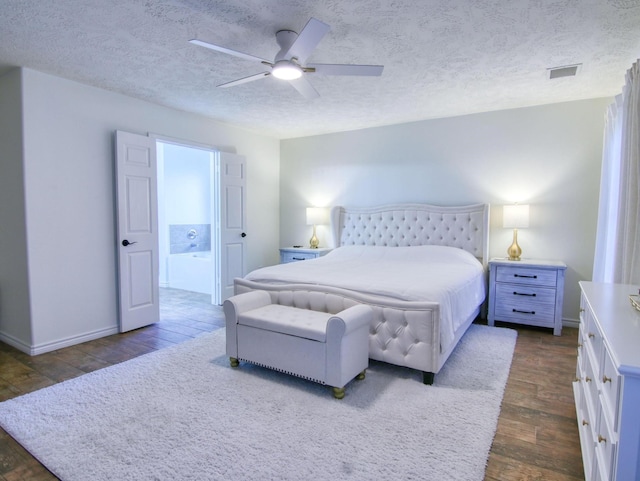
234,362
338,392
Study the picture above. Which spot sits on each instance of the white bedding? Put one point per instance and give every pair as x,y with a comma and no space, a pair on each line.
449,276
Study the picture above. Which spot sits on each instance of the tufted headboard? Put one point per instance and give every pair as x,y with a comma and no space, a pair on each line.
466,227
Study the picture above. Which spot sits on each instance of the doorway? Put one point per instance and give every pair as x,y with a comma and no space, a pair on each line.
144,224
187,213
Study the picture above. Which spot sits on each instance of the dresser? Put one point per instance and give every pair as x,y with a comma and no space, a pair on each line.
526,292
607,386
293,254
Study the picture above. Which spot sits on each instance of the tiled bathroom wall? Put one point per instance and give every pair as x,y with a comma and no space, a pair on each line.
189,238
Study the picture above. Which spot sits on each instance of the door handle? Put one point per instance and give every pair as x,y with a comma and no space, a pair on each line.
244,234
127,243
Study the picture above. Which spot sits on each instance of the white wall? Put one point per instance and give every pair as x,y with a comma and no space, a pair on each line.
15,320
187,185
68,178
546,156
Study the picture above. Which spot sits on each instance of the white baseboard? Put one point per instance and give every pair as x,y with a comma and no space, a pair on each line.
19,344
575,323
34,350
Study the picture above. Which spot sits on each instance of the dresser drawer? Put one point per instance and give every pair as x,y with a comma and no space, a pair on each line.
586,427
592,339
590,387
610,388
526,275
605,447
531,304
296,256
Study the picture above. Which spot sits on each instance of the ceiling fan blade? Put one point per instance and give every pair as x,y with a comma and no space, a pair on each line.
343,69
244,80
229,51
308,40
303,86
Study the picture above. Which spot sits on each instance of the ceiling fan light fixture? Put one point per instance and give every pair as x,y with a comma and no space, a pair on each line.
290,62
286,70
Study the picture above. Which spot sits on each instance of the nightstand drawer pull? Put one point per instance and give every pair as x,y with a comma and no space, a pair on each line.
526,277
523,312
523,294
299,258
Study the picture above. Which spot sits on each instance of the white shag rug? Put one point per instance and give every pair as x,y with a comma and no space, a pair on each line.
183,414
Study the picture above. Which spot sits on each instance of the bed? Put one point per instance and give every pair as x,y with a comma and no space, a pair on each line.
422,268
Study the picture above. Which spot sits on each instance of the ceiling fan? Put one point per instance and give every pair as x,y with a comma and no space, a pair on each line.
289,63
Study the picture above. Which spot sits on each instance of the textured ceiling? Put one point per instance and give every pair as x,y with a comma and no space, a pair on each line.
441,57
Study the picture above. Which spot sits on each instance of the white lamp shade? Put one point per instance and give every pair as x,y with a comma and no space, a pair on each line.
515,216
317,216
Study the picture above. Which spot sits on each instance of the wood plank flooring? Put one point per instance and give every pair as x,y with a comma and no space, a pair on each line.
537,435
536,439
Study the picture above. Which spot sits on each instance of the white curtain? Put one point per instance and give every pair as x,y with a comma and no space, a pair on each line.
617,256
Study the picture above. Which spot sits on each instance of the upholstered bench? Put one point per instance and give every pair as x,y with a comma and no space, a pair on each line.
331,349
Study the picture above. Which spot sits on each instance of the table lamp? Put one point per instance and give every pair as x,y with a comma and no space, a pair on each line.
316,216
515,217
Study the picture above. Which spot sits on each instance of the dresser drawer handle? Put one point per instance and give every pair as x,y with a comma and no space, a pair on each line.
587,379
606,379
299,258
601,438
523,312
591,335
585,422
525,277
523,294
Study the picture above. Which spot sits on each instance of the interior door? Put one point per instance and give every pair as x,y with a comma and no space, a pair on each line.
233,232
137,231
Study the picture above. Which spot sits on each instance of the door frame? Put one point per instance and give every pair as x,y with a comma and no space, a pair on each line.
216,295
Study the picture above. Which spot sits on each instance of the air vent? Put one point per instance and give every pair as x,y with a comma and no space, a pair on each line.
566,71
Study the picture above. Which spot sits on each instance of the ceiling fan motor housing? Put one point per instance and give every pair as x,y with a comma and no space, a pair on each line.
285,39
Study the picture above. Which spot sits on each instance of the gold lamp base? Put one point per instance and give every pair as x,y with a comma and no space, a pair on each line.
314,242
514,250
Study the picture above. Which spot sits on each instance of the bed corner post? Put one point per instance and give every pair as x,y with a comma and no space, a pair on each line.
427,378
334,218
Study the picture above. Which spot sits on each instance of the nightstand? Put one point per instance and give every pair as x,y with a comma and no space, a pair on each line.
526,292
293,254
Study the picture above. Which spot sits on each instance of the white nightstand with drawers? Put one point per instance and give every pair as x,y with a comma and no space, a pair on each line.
294,254
526,292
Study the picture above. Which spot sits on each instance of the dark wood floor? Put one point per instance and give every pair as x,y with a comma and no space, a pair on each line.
537,436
